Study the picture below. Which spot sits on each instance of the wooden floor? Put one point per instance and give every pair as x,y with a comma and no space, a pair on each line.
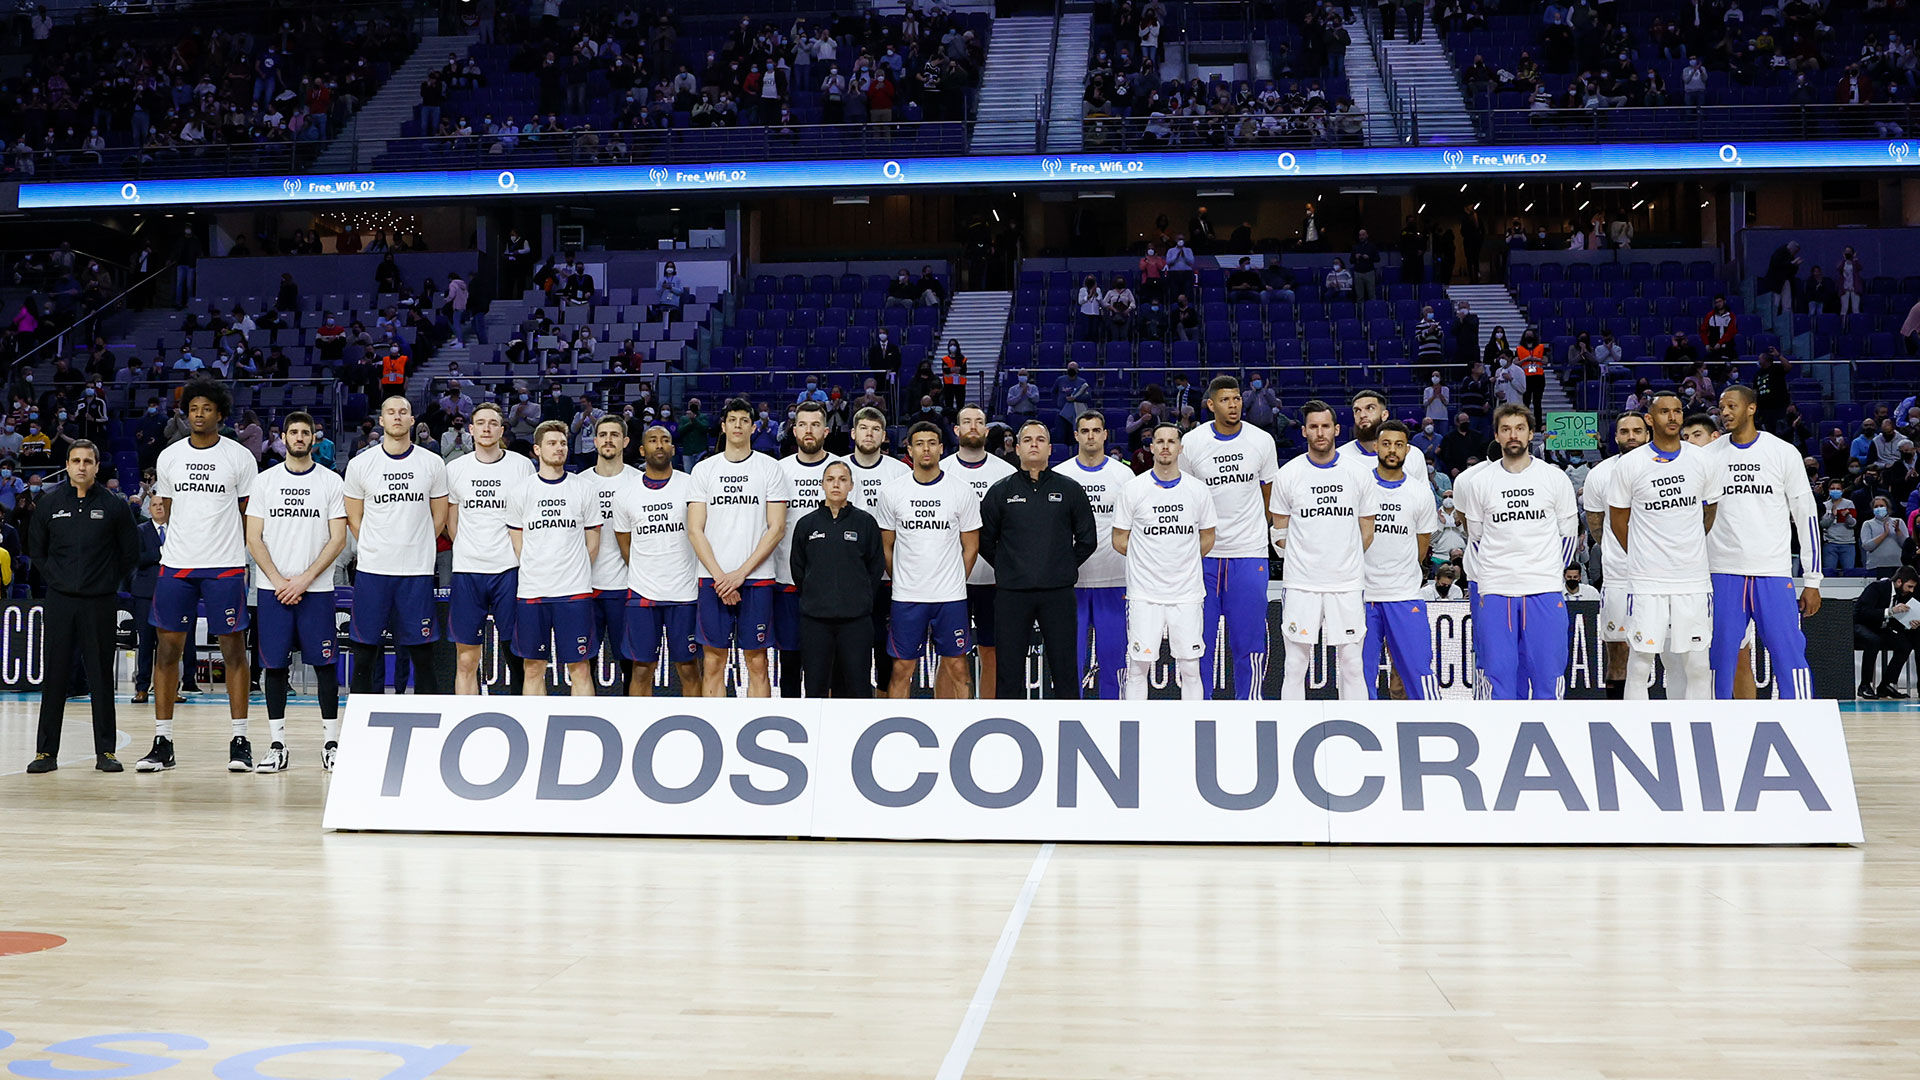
213,906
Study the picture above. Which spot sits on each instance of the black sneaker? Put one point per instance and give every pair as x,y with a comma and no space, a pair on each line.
108,763
239,755
42,763
159,758
274,760
326,756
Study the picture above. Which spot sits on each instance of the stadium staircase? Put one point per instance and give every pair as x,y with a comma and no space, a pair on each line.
1429,89
1015,77
978,320
380,119
1366,87
1496,307
1066,113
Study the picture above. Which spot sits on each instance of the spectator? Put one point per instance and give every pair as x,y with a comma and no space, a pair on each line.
811,392
1461,446
1852,282
1023,399
1881,626
902,293
1366,261
1887,443
1428,341
1445,584
1822,297
1839,524
953,377
1718,330
932,292
1180,264
1153,269
1087,302
1783,270
884,354
1427,439
1883,535
1435,401
1339,282
695,433
1117,310
1244,285
1185,319
1072,395
1693,83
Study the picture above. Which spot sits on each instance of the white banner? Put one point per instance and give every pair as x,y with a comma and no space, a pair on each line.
1370,772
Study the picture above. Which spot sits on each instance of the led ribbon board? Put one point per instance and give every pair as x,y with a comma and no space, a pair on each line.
1410,163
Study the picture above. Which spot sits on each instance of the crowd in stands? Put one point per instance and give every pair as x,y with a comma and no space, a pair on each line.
108,90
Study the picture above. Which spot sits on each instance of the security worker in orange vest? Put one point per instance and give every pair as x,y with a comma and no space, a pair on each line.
1532,358
393,371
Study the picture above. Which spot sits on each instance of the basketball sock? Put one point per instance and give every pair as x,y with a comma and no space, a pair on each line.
425,679
367,662
274,681
1616,689
329,679
1139,674
163,729
1188,674
239,727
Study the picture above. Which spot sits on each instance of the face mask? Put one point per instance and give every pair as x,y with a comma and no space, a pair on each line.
35,488
6,474
1428,428
1880,511
1446,504
1834,494
1572,585
1258,383
63,414
523,399
1435,380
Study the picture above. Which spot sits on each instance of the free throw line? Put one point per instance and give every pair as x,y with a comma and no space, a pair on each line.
955,1065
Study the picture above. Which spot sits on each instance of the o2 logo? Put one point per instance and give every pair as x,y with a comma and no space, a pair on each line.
415,1062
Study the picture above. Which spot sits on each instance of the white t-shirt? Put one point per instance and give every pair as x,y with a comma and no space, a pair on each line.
803,498
1666,538
1415,466
1469,563
1324,505
1402,511
1233,468
1521,527
299,510
926,521
736,494
609,570
661,566
1762,499
869,479
1163,523
396,525
1593,500
479,489
552,517
979,476
204,529
1105,568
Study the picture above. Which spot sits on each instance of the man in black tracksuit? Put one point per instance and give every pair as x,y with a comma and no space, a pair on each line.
1036,528
837,563
83,542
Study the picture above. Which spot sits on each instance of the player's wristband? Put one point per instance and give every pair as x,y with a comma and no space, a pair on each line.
1279,536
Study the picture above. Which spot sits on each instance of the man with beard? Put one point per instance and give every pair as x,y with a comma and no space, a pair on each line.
804,468
1238,464
610,476
873,468
1522,523
1322,508
1629,434
981,471
650,528
1404,521
1369,411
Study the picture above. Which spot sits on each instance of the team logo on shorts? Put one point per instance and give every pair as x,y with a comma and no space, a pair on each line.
326,654
1293,628
426,628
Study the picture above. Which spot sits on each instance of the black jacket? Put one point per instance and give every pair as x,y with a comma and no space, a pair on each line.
837,563
83,547
1036,532
146,566
1870,607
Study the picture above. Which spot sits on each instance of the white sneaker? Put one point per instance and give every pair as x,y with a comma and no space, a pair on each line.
274,760
326,756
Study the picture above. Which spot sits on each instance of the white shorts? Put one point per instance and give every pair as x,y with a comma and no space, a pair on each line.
1342,616
1179,624
1613,613
1670,622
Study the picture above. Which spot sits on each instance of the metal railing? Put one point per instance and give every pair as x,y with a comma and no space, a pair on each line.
1693,123
1043,109
1403,126
83,327
1282,131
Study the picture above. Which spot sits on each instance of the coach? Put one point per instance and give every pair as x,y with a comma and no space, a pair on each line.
1036,528
837,563
83,541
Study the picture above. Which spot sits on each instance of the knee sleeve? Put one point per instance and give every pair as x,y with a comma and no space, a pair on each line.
274,681
425,679
328,677
366,668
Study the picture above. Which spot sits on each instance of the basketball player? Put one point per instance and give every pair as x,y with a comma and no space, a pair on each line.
930,529
650,526
1700,430
1369,412
204,480
396,498
1763,488
610,476
1101,593
1629,434
803,469
1404,521
736,515
1238,464
981,471
1163,527
1523,525
1323,508
1660,513
297,521
872,470
554,522
486,574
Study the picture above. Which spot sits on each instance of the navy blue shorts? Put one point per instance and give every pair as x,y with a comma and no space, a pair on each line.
748,624
476,596
913,623
610,616
786,618
980,602
177,599
400,604
308,625
560,631
647,621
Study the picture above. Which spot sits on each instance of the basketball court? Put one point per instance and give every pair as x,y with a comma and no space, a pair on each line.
210,915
